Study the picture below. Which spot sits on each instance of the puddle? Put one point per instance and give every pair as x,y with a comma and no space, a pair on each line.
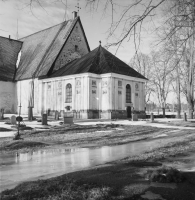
16,168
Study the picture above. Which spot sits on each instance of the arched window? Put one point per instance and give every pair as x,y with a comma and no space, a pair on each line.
68,93
128,93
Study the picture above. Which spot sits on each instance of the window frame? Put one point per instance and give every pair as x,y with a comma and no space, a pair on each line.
68,93
128,93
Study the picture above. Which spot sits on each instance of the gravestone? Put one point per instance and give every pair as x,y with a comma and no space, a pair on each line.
134,117
56,115
13,120
68,120
44,119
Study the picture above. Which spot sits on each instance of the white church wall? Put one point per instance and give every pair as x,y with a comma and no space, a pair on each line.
57,91
8,98
23,88
78,94
85,93
93,96
116,102
105,101
94,105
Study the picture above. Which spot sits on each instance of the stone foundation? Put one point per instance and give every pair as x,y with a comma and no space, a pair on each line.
96,114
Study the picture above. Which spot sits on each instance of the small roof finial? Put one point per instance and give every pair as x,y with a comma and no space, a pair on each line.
100,42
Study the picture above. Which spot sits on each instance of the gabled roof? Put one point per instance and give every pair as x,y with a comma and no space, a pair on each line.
40,49
98,61
9,50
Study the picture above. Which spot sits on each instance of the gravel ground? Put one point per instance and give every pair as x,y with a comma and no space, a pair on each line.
77,135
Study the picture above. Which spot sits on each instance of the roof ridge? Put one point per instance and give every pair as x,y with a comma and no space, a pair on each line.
46,29
98,49
11,39
104,56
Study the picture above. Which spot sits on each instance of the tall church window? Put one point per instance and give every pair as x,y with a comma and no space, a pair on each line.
68,93
128,93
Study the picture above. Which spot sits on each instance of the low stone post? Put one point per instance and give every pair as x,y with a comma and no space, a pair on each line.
44,119
30,113
56,115
185,117
152,117
1,115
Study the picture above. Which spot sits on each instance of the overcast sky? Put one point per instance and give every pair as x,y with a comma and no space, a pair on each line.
38,18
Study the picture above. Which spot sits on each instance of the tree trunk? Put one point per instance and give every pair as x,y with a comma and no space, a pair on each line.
190,89
178,99
177,79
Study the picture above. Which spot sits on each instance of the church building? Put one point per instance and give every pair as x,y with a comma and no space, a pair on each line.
55,70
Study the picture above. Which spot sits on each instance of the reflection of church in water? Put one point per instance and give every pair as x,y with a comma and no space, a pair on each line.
58,72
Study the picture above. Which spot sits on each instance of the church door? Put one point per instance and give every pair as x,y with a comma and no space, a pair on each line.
128,111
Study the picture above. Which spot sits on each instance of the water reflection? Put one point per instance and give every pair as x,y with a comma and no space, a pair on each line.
23,166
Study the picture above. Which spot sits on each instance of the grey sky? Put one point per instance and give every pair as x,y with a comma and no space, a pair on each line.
38,18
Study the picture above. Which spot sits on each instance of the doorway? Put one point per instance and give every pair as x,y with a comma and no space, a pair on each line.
128,111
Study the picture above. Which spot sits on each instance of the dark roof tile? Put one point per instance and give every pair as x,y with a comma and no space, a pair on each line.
9,50
40,50
98,61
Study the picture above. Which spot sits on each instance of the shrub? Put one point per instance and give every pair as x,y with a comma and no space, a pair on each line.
165,175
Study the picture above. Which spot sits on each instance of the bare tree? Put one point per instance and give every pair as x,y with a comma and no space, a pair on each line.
176,35
161,76
143,64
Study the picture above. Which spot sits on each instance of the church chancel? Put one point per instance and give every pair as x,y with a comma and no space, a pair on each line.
58,72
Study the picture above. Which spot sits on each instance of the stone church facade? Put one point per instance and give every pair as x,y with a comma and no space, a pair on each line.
56,71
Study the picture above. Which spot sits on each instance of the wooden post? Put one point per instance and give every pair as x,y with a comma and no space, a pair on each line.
152,117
